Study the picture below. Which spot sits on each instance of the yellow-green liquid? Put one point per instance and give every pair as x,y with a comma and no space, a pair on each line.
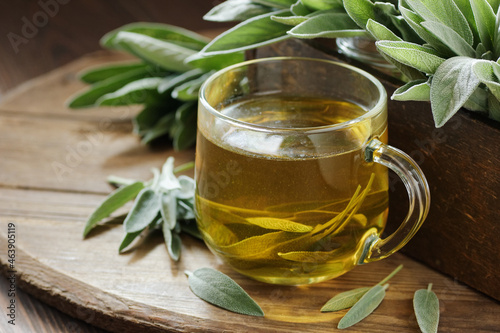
284,218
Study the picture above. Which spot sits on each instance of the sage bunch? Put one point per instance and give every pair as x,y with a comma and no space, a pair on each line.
160,79
165,202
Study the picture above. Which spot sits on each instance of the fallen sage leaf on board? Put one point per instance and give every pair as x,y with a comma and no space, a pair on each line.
366,305
426,307
219,289
348,298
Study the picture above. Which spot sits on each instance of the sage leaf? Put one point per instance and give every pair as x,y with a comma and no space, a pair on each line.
380,31
360,11
276,3
168,181
279,224
168,210
165,54
136,92
146,208
235,10
310,256
191,228
300,9
344,300
452,85
445,12
484,72
322,4
219,289
113,201
188,91
172,241
415,22
290,20
89,97
485,20
160,31
93,75
184,128
255,32
417,90
160,128
130,237
328,25
426,307
215,61
450,38
364,307
419,57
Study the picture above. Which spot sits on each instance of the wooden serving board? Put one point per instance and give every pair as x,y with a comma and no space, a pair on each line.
53,168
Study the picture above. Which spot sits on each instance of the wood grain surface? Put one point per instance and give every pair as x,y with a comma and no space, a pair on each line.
144,290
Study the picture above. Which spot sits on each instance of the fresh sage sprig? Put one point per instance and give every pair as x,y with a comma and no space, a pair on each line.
160,79
165,202
349,298
219,289
426,306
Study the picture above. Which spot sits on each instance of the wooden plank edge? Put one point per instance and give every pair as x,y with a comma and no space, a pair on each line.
122,315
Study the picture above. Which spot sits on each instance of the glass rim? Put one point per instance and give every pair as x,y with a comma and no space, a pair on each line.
371,113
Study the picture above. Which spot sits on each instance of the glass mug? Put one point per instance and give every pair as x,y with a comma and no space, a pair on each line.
291,170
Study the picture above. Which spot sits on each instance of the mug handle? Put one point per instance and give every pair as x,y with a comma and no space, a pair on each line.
418,193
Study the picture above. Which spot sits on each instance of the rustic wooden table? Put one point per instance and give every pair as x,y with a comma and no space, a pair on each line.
53,167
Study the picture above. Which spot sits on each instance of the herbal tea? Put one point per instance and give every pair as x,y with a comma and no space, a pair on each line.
290,207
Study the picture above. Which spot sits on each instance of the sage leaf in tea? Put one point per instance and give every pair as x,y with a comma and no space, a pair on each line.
279,224
144,211
344,300
219,289
364,307
426,307
115,200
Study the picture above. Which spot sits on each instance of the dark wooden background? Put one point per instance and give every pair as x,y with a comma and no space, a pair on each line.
55,35
73,27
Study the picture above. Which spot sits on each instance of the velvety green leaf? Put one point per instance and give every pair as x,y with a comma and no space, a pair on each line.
113,201
167,180
96,74
364,307
494,4
426,307
165,54
344,300
172,241
466,9
184,129
452,85
417,90
168,210
159,129
172,81
136,92
290,20
255,32
420,57
130,237
89,97
235,10
220,290
322,4
165,32
485,20
330,25
188,91
151,115
283,4
496,36
415,22
215,61
315,257
146,208
380,32
450,38
360,11
300,9
484,72
445,12
279,224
